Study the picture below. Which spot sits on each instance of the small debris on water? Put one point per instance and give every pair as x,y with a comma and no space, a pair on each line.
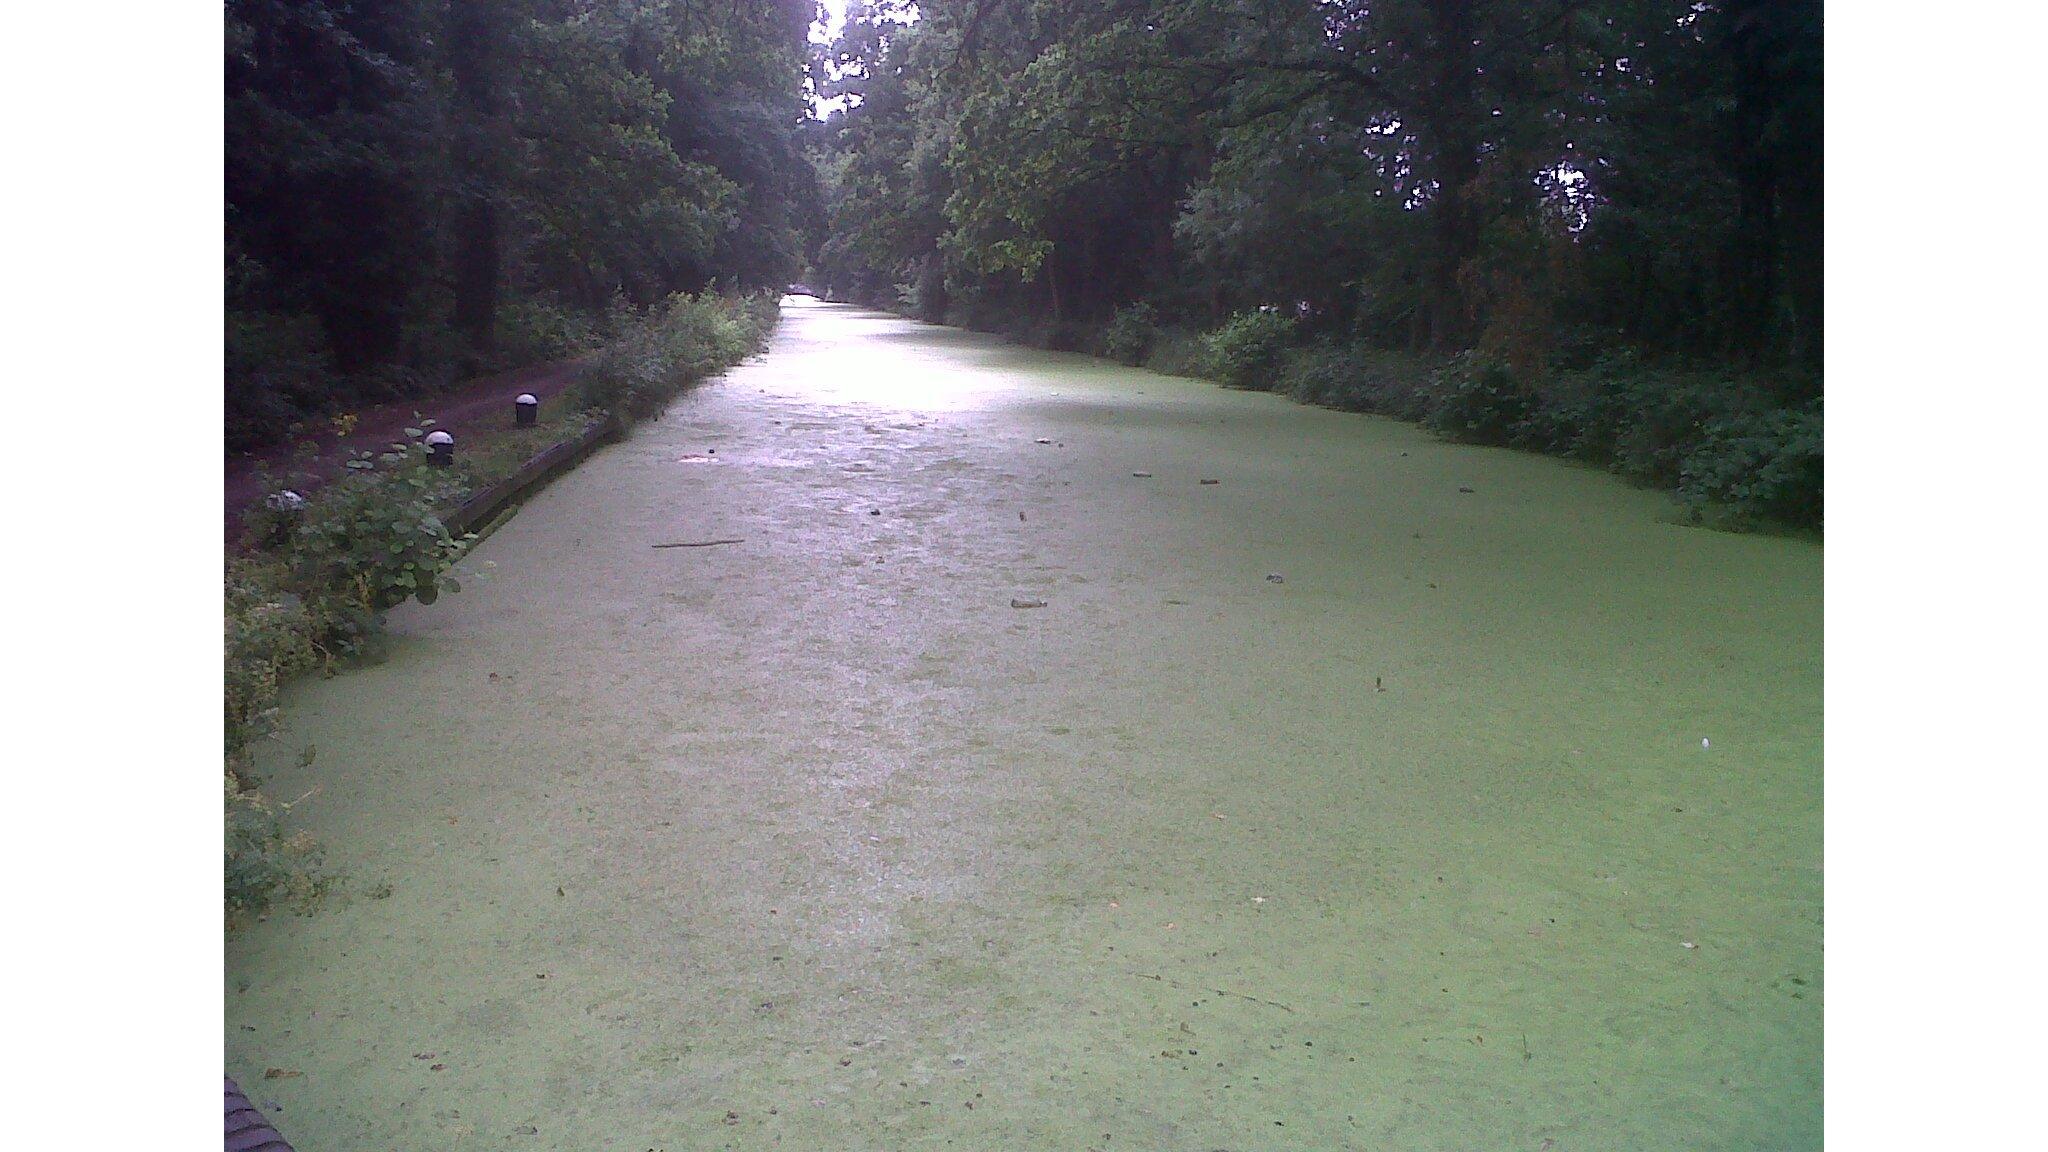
281,1073
1020,516
1142,475
1206,480
1462,488
1275,578
1043,440
526,1130
1688,945
1377,686
874,511
1019,603
1705,743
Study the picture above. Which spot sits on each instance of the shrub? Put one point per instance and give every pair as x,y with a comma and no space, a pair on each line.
1660,418
1176,352
1480,400
1245,352
1758,466
656,354
1726,446
269,637
1357,378
1069,336
263,864
1131,333
534,331
371,540
276,369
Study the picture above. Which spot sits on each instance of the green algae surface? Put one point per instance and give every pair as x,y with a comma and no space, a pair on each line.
1328,805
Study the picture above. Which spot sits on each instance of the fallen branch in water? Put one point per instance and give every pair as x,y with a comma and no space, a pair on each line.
700,543
1217,991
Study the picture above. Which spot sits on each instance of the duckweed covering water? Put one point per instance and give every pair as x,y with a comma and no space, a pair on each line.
1496,822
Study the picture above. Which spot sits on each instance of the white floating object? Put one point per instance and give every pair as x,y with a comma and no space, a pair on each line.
1705,743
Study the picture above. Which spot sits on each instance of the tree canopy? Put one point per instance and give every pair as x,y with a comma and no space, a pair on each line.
404,175
1430,174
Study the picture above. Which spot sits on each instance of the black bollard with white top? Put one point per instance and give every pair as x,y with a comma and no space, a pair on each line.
289,506
526,410
440,449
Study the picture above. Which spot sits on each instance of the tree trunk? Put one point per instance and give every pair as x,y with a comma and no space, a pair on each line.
477,272
1454,224
1801,186
476,57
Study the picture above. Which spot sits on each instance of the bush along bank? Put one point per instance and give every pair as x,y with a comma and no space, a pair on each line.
311,593
1738,451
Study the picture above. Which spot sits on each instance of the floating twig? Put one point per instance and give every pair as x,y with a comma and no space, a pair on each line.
1217,991
701,543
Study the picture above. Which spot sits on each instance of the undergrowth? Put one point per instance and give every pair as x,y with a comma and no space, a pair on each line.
657,353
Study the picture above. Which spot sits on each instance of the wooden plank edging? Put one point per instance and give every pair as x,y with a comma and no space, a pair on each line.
485,506
245,1128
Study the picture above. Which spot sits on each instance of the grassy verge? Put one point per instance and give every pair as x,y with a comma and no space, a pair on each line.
310,596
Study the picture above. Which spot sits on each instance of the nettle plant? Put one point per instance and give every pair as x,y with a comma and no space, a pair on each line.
374,538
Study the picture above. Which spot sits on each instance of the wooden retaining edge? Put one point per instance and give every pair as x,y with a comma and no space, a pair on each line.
484,508
245,1128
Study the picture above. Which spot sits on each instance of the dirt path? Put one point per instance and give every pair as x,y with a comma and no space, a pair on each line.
487,399
1492,822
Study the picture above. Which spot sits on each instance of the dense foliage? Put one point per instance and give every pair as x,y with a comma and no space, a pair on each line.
420,188
680,341
1511,191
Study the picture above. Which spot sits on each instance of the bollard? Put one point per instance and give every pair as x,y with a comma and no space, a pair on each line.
288,505
440,449
525,410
